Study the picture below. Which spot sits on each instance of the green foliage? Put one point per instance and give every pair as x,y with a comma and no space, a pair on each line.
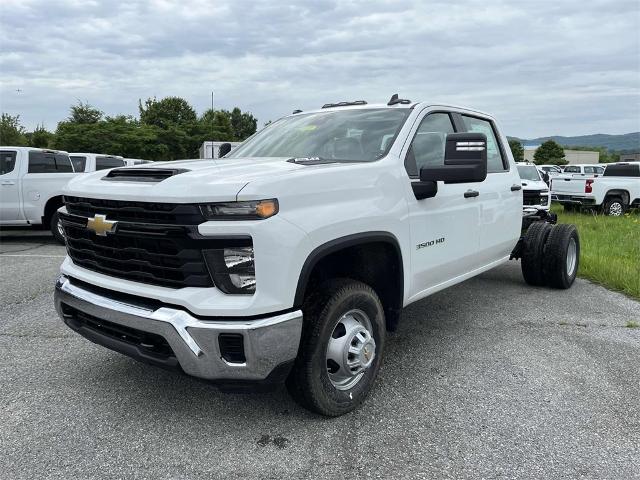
168,129
40,137
168,112
517,150
84,113
11,131
549,153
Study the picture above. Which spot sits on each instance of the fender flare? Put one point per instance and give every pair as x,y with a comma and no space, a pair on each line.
341,243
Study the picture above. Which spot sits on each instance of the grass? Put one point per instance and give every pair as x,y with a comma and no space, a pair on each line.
610,249
632,324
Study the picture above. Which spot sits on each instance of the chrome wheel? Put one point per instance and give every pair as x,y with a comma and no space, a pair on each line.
615,209
572,257
351,350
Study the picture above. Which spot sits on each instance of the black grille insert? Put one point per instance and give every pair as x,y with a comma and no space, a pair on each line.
143,212
232,347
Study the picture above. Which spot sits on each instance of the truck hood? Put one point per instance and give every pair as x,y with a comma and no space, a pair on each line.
202,180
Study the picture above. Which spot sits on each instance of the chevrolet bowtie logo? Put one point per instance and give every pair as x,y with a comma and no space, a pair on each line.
100,225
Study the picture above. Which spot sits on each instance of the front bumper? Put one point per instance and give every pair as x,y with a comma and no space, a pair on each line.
195,346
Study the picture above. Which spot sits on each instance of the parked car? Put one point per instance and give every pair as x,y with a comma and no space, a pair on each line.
617,190
535,192
551,170
90,162
292,256
588,170
31,182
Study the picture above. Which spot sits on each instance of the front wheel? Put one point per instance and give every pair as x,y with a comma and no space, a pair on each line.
56,228
341,348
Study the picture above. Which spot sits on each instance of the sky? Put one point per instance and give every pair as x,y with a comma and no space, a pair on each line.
562,67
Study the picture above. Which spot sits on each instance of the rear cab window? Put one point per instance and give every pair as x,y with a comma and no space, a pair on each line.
496,160
79,162
572,169
622,170
7,161
49,162
102,163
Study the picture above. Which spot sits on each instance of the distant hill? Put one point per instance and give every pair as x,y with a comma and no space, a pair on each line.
629,142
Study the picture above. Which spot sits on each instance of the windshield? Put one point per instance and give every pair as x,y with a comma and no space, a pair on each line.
355,135
528,172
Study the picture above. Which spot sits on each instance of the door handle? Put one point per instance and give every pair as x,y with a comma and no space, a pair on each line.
471,193
7,182
515,188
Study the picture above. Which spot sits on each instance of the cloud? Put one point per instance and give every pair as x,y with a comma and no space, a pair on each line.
541,67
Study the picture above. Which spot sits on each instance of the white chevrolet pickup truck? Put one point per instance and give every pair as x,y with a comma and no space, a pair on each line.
291,258
31,183
617,190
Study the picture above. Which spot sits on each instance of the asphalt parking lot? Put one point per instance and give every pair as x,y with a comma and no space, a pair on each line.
489,379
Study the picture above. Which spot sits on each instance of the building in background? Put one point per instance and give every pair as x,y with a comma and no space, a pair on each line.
574,157
211,149
630,157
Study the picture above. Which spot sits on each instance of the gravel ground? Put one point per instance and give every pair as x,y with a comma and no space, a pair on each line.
488,379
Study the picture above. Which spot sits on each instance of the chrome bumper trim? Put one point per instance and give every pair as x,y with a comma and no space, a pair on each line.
268,341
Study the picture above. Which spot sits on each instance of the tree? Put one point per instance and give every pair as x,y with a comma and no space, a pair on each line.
243,124
40,137
169,111
215,126
84,113
549,153
11,131
517,150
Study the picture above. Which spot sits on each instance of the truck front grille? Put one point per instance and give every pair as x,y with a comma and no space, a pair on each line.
534,197
147,212
169,259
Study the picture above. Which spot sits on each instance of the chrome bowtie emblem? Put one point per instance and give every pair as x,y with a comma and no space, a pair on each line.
100,225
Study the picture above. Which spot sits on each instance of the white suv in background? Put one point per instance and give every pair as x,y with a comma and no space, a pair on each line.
535,192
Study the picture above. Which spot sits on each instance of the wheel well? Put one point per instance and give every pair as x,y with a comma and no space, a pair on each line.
618,193
374,260
53,204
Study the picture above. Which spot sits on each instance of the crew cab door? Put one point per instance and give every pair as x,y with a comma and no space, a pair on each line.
445,229
499,195
10,198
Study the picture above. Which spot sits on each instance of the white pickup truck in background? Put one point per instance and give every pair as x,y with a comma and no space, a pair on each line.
31,182
535,192
617,190
584,170
90,162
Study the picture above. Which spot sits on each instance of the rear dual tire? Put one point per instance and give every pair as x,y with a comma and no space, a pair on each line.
551,255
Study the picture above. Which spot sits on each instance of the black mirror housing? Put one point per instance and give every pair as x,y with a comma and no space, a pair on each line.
465,160
224,149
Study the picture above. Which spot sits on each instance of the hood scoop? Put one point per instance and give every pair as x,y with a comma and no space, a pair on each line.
150,175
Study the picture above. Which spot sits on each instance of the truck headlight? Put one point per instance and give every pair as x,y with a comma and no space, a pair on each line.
233,269
251,210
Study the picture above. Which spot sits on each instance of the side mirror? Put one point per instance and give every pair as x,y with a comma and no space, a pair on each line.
224,149
465,160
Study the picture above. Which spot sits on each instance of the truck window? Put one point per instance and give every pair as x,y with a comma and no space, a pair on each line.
622,170
103,163
495,160
49,162
7,161
572,169
79,163
427,147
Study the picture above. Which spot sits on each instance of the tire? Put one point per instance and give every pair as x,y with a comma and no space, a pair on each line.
56,228
562,245
311,382
614,206
533,253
